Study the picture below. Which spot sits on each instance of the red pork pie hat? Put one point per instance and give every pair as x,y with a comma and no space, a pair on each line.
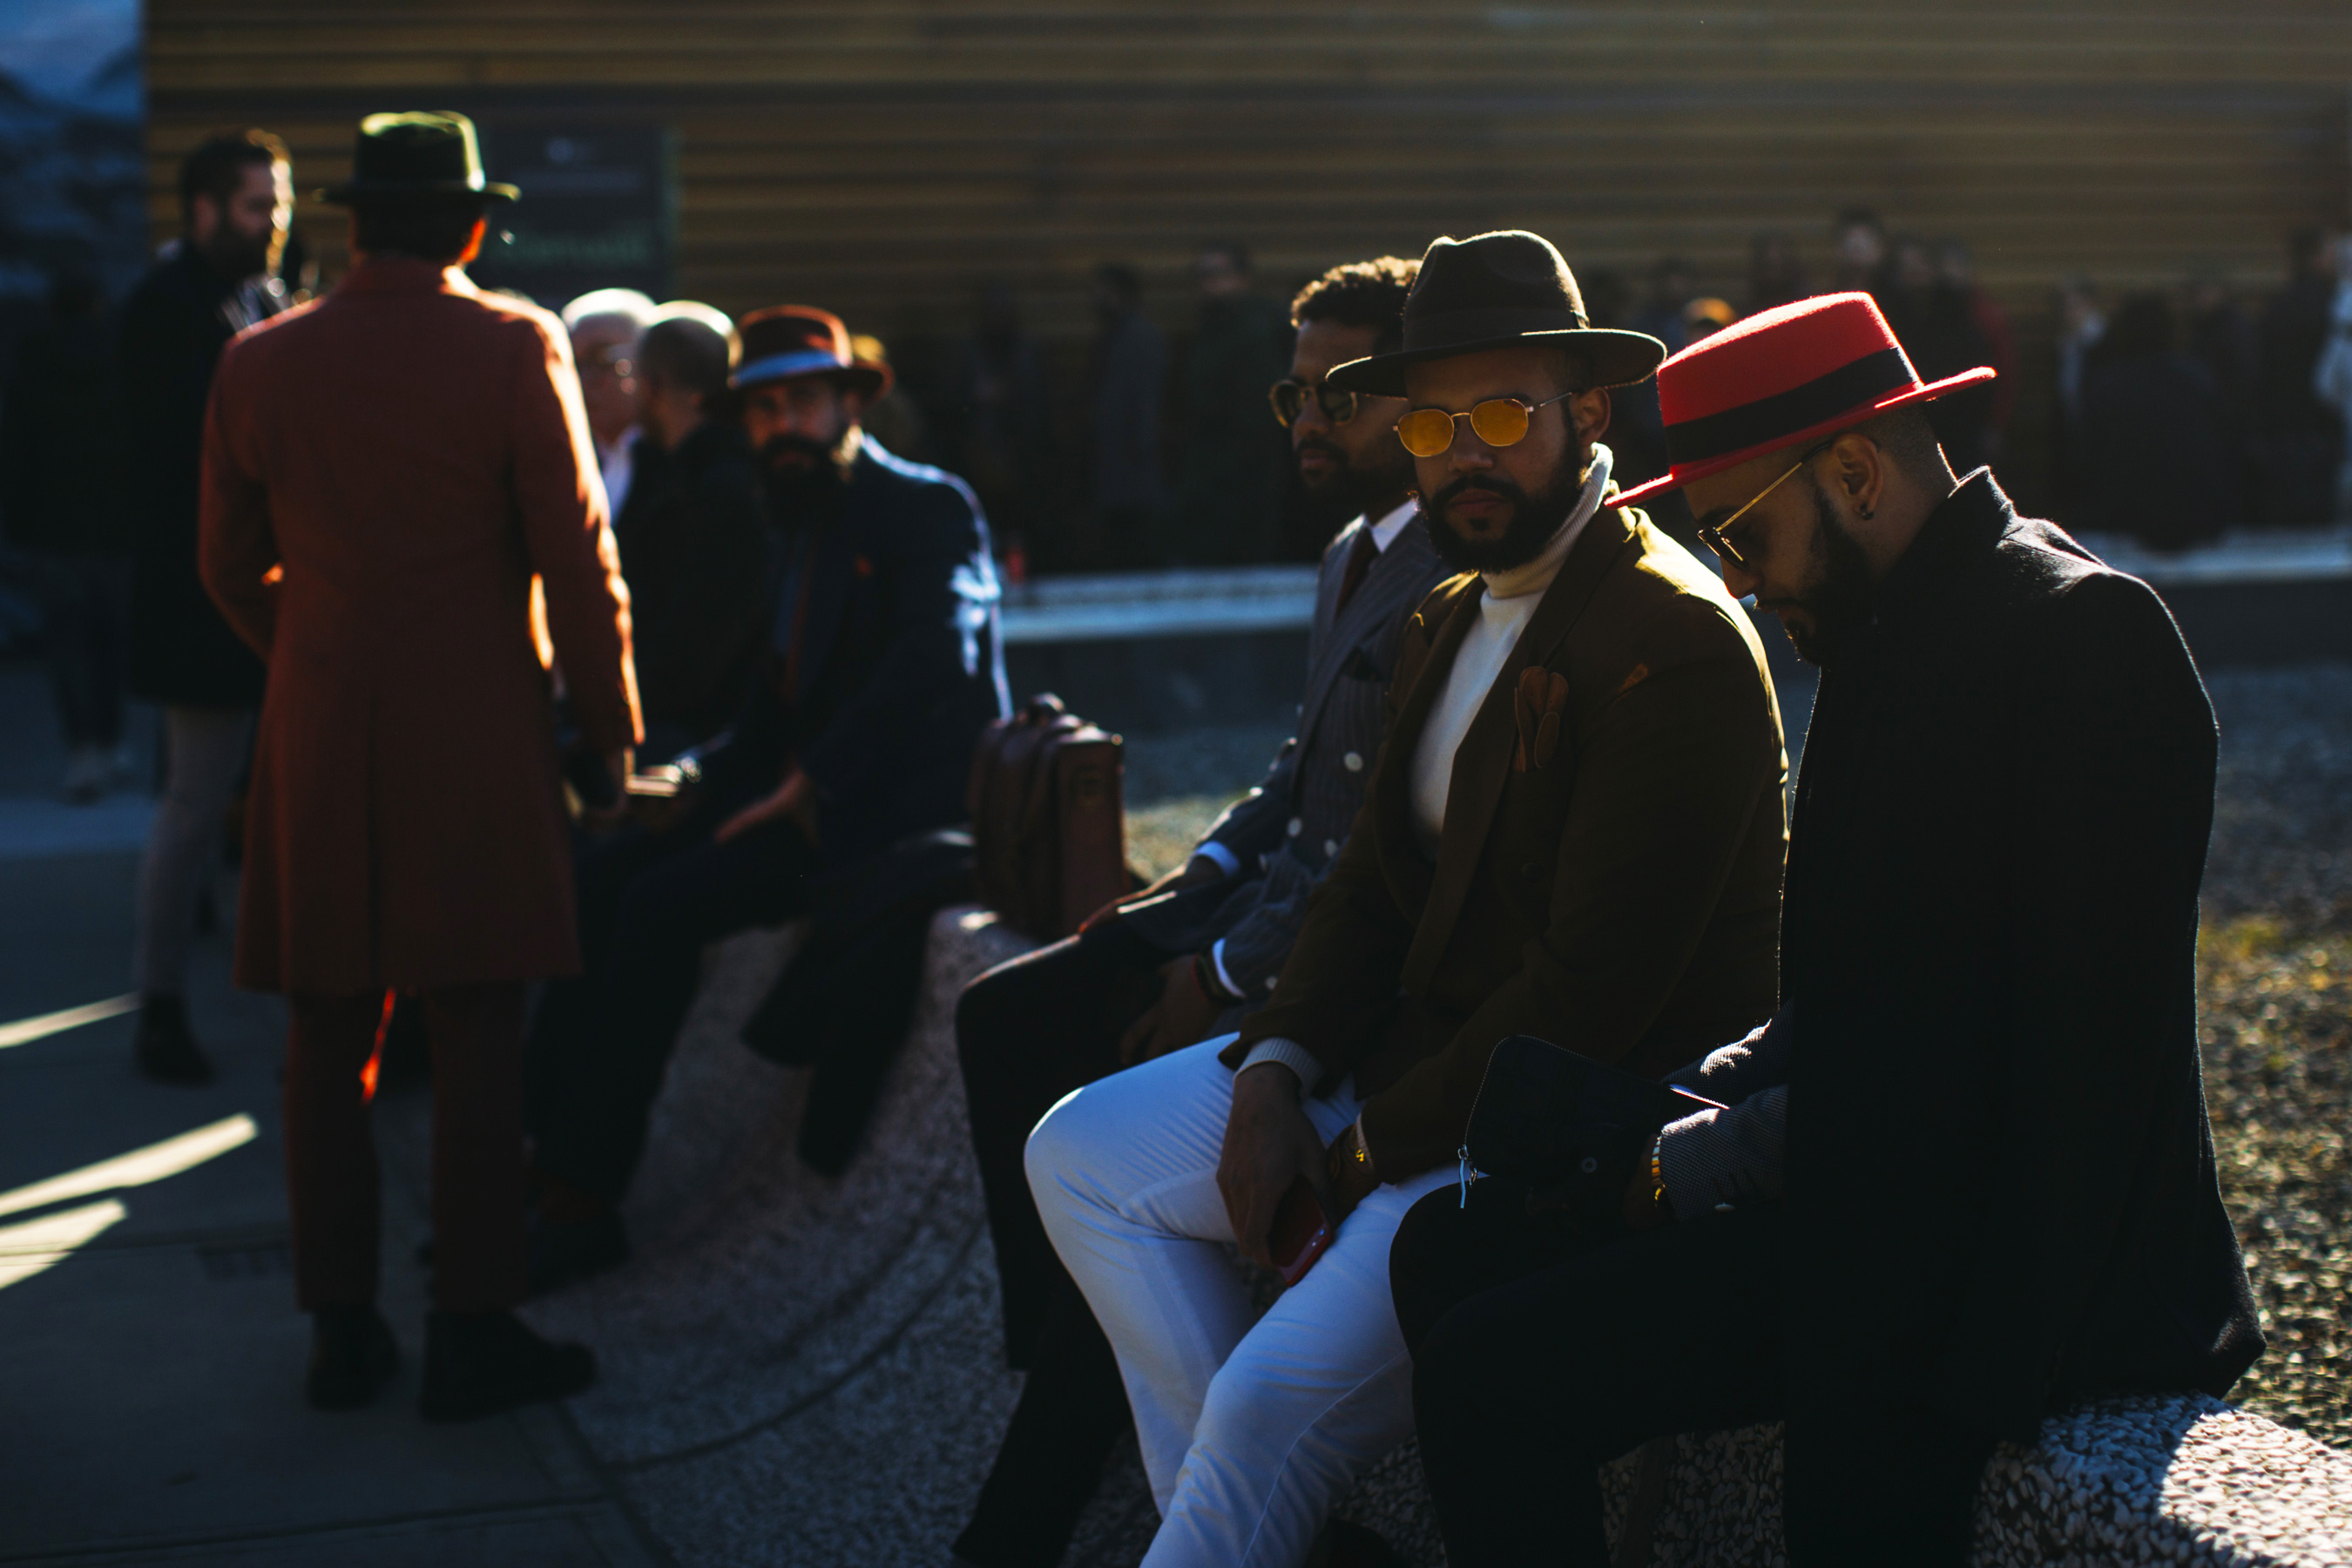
1780,378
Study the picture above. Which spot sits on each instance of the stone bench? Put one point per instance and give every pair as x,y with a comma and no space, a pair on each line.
791,1357
2157,1480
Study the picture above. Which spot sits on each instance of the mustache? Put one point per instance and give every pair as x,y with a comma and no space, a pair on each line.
1330,449
1493,484
805,452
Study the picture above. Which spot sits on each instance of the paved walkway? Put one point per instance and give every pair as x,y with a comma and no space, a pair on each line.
151,1356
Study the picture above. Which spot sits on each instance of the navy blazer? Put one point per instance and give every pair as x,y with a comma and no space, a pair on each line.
901,664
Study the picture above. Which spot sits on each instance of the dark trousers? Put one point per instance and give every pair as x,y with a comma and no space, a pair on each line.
649,903
86,634
1028,1032
477,1148
1540,1355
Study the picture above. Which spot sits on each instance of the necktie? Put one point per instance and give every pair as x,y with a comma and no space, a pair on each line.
1359,561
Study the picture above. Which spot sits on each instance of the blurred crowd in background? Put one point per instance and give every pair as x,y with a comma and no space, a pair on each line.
2173,415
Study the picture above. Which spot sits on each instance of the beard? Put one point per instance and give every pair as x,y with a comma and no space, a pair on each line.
1534,519
801,475
1347,489
1838,593
240,255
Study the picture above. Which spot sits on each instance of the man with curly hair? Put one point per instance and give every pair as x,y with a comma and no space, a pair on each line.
1201,946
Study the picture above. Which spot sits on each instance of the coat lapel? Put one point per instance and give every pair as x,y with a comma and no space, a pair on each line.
1484,760
1334,631
833,575
1392,787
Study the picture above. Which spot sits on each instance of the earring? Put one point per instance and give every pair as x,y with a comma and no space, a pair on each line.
1865,512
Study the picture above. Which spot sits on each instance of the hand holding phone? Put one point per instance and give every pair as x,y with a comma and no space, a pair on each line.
1301,1232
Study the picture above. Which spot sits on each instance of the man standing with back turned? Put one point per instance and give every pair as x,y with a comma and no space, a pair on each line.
384,472
1967,1167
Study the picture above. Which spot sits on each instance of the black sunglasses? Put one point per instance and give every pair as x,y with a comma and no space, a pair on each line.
1289,400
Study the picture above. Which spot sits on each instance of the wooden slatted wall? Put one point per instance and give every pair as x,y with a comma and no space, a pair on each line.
883,158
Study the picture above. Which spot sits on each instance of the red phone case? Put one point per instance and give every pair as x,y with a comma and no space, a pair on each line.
1300,1232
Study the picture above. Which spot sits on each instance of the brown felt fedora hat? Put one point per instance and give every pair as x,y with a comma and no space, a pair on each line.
1493,291
787,340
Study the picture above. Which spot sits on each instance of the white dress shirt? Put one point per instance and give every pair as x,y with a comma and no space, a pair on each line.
617,463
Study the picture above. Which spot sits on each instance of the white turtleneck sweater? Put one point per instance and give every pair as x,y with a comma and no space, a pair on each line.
1509,603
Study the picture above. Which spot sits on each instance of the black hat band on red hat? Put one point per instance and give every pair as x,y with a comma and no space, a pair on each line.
1799,408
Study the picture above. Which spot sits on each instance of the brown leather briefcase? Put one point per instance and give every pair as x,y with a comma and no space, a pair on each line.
1048,828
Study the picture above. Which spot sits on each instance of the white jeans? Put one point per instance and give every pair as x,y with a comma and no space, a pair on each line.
1250,1434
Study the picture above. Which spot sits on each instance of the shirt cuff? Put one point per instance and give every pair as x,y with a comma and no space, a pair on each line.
1290,1054
1230,863
1217,964
1687,1185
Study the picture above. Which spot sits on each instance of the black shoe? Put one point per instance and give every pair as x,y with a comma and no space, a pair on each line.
352,1355
562,1253
163,1048
479,1364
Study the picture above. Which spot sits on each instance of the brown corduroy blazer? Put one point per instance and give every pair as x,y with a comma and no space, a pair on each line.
385,473
1609,880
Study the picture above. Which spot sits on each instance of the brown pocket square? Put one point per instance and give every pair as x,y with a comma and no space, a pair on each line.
1537,704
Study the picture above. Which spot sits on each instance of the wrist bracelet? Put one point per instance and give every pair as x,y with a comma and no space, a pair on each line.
1657,1169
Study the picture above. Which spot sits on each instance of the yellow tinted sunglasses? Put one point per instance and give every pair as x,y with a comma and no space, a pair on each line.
1498,421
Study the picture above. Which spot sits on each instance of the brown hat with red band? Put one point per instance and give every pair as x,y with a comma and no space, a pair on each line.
1782,377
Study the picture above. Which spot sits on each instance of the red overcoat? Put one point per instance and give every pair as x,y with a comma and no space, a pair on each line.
385,473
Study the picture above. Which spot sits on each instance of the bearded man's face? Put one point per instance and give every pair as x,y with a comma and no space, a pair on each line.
1493,508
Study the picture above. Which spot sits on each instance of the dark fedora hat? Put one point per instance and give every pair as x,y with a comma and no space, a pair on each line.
1784,377
1494,291
787,340
417,153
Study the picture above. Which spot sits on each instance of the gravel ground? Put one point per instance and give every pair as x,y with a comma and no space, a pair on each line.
2275,976
2276,981
1176,784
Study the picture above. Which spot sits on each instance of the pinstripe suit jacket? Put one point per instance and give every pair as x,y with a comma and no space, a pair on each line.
1287,830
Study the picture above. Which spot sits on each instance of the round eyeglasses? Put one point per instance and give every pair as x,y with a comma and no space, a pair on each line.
1498,421
1289,400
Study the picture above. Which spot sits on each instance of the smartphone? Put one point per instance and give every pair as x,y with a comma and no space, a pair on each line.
1300,1232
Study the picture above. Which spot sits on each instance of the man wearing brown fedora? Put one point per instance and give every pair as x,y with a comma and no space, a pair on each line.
385,474
1573,829
881,669
1965,1176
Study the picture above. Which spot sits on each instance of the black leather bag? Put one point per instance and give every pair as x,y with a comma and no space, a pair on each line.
1574,1129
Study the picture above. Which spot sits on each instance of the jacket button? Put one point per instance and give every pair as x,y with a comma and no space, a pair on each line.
1354,761
1297,827
1330,847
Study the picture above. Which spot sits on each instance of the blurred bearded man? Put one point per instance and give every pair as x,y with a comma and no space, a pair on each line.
237,197
1573,831
1201,946
882,668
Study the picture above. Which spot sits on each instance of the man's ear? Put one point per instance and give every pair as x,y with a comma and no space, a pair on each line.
1589,414
1859,469
853,406
204,219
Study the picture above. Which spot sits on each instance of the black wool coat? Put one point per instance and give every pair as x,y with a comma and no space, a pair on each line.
695,549
900,665
2000,1182
174,325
